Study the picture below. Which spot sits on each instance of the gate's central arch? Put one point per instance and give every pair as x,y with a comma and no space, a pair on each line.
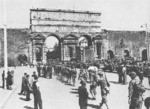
68,26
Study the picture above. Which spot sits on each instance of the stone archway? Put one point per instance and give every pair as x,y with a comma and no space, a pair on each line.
144,55
110,54
22,58
55,52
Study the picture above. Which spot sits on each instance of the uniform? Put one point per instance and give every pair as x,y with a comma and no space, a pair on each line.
135,96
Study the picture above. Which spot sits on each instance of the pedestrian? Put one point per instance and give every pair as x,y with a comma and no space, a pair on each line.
3,79
102,82
23,86
32,78
27,85
9,80
136,91
37,94
119,72
83,95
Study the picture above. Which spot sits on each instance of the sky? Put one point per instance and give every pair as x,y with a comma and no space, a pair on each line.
116,14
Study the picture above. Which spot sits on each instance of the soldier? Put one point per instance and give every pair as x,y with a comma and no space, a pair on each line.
83,95
104,88
135,92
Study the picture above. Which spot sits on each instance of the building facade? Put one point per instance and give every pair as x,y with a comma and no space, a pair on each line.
67,26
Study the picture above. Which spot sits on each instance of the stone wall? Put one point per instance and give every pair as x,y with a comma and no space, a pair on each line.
133,41
18,41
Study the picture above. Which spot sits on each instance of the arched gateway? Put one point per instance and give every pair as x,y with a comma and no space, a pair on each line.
67,26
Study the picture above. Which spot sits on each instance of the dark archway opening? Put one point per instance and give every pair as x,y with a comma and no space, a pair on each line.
126,54
22,58
99,49
144,55
110,54
70,52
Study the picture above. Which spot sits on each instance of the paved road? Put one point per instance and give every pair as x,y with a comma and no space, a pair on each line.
58,95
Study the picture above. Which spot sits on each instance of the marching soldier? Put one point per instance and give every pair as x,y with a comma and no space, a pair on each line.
102,82
136,91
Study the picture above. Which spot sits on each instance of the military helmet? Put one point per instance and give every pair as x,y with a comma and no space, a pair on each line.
83,82
132,74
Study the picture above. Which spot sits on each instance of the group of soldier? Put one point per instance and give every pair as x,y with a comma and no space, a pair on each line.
96,77
44,70
94,74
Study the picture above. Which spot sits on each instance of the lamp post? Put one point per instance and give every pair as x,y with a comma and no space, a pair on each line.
5,42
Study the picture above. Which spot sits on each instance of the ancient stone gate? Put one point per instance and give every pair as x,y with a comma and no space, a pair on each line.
67,26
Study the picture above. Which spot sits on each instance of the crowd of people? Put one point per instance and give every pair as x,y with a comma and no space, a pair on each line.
92,73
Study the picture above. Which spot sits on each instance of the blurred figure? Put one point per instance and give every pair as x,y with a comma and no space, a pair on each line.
23,86
27,85
37,94
83,95
9,80
136,91
93,89
3,79
102,82
124,72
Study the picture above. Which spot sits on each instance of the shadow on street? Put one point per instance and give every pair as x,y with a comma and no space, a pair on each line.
22,99
28,107
114,82
93,106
